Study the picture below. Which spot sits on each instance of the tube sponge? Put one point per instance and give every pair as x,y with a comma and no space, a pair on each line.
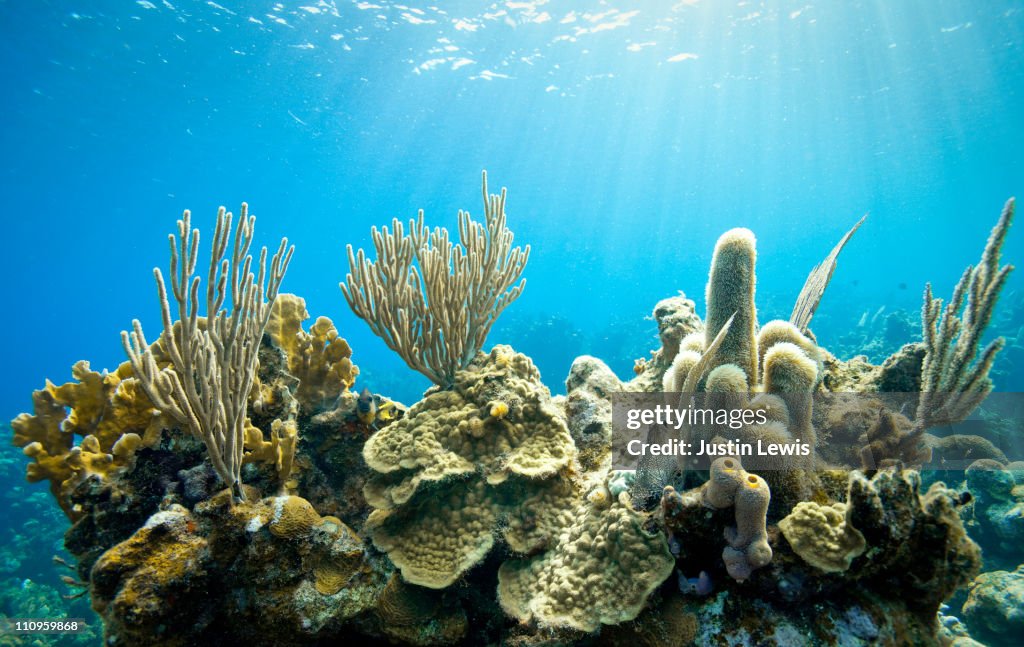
730,289
748,494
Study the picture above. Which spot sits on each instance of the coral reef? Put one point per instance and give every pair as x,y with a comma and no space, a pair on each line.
490,512
917,545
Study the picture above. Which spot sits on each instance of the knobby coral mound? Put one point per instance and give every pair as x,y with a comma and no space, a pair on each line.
170,583
822,537
996,511
994,610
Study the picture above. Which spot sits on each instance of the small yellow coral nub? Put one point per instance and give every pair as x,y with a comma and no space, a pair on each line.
498,410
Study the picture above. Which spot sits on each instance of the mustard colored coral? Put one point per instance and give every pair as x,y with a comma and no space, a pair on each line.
109,411
821,536
437,538
320,359
451,432
278,451
293,518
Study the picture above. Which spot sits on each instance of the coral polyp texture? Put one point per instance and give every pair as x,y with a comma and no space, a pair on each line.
226,485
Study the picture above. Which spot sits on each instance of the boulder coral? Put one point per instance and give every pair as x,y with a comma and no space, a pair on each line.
170,583
996,512
994,610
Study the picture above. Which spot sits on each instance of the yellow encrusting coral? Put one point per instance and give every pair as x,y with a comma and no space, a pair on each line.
294,517
279,451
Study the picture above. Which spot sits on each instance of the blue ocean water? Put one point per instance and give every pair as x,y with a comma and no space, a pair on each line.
630,135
